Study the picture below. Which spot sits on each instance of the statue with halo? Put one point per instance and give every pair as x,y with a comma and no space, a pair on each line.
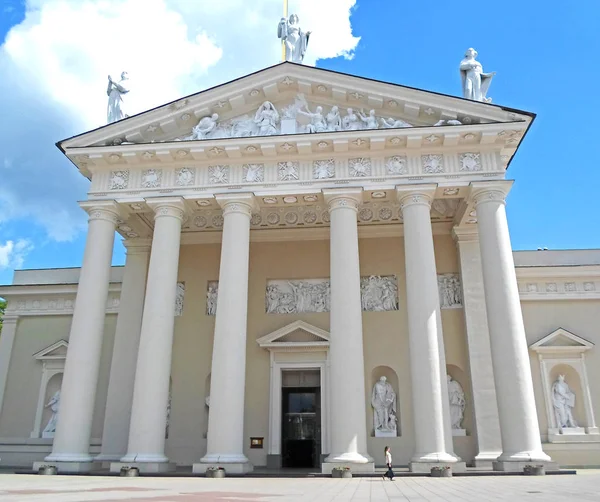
116,103
475,83
294,39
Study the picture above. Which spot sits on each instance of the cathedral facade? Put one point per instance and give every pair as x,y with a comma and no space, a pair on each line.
318,265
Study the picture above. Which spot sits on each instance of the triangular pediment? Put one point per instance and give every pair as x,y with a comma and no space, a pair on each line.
297,335
57,350
289,88
561,340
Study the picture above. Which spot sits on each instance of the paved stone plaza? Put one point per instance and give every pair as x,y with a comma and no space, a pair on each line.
585,486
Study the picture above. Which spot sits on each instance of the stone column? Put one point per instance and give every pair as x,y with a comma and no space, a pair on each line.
487,425
512,372
146,446
424,330
7,340
225,439
78,392
125,352
346,356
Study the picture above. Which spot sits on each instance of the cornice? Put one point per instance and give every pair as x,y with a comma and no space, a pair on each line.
503,137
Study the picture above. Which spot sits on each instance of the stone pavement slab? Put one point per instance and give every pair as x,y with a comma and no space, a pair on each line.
585,486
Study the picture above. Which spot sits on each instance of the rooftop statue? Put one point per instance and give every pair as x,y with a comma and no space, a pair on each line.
116,104
475,83
294,39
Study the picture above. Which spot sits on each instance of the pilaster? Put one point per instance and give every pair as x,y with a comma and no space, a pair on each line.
483,388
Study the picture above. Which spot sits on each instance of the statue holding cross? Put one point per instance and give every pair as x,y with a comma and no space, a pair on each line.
294,40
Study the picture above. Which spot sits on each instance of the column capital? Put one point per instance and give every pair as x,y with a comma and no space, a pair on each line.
137,246
244,203
9,319
167,206
463,234
348,198
102,210
488,191
415,195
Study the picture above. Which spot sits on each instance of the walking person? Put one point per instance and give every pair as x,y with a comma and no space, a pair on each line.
388,462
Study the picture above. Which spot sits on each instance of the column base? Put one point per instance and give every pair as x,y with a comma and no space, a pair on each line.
144,467
108,457
356,468
233,463
516,466
486,459
68,467
422,467
144,458
230,467
349,458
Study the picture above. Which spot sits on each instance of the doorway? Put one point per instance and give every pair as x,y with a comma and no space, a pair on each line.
301,419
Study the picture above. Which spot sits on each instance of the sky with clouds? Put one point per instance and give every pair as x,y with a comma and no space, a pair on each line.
55,56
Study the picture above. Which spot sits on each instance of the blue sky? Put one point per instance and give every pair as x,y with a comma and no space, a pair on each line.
54,71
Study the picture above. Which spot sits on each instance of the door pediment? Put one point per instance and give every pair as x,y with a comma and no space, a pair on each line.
297,336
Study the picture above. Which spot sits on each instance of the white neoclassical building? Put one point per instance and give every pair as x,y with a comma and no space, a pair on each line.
318,265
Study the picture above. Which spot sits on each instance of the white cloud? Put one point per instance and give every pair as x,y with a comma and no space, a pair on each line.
12,254
54,68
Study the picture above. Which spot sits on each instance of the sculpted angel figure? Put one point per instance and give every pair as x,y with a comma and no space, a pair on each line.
563,400
116,103
294,39
333,119
267,118
317,121
369,120
475,83
351,122
392,123
206,126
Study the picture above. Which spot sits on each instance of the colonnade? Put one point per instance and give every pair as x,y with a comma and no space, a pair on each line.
136,404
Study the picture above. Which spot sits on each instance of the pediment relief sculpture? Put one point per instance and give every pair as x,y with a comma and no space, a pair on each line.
268,120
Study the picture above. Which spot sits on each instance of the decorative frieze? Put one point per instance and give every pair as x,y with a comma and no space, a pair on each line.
151,178
323,169
218,174
288,171
378,293
432,164
470,162
396,165
565,289
185,176
254,173
450,291
119,180
359,168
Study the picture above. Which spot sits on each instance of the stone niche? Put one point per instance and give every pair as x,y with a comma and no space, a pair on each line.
567,396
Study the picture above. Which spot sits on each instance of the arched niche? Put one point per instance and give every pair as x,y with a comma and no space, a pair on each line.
391,378
458,375
563,353
52,359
